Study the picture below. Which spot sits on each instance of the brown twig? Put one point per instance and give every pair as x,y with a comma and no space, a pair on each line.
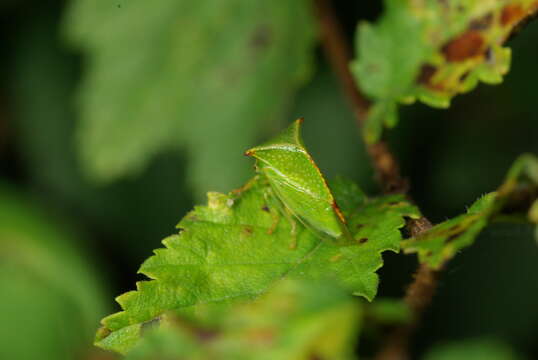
420,292
418,297
339,55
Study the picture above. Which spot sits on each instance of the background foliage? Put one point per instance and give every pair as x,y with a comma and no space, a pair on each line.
150,176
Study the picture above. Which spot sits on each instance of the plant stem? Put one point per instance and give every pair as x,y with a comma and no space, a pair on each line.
420,292
339,55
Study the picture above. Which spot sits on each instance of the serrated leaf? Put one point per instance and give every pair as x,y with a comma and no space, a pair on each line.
432,51
289,322
515,197
195,75
227,251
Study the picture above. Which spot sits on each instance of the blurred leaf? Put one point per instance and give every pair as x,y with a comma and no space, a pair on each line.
515,197
480,349
199,75
389,311
291,321
224,252
50,295
432,50
42,82
332,146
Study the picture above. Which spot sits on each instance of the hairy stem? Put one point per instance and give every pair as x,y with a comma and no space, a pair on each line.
420,292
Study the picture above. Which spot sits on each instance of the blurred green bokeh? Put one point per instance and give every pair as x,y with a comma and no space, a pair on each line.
52,295
53,278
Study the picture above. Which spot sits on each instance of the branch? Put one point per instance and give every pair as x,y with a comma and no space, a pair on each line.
420,292
418,297
339,55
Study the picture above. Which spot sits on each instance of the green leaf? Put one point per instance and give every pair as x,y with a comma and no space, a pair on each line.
432,51
51,297
476,349
514,199
180,74
43,78
289,322
224,252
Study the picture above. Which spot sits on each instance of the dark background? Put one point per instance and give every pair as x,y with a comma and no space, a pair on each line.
450,157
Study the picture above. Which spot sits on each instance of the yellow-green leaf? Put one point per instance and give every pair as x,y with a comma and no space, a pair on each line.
432,50
515,198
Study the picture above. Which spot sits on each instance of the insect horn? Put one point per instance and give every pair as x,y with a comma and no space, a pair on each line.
288,138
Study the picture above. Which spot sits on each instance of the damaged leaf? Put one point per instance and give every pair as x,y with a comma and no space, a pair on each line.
431,51
516,198
231,250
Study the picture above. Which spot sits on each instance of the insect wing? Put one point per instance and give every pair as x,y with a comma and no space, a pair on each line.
312,211
300,187
297,181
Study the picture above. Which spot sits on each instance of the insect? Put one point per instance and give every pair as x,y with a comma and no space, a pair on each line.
298,184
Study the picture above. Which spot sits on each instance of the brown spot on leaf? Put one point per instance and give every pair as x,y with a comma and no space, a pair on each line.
103,332
265,208
511,14
425,77
489,55
150,325
531,13
261,37
482,23
248,230
468,45
363,240
464,76
206,335
452,238
426,73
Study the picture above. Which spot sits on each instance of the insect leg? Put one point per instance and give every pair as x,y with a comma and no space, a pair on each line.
293,244
293,223
271,205
275,203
